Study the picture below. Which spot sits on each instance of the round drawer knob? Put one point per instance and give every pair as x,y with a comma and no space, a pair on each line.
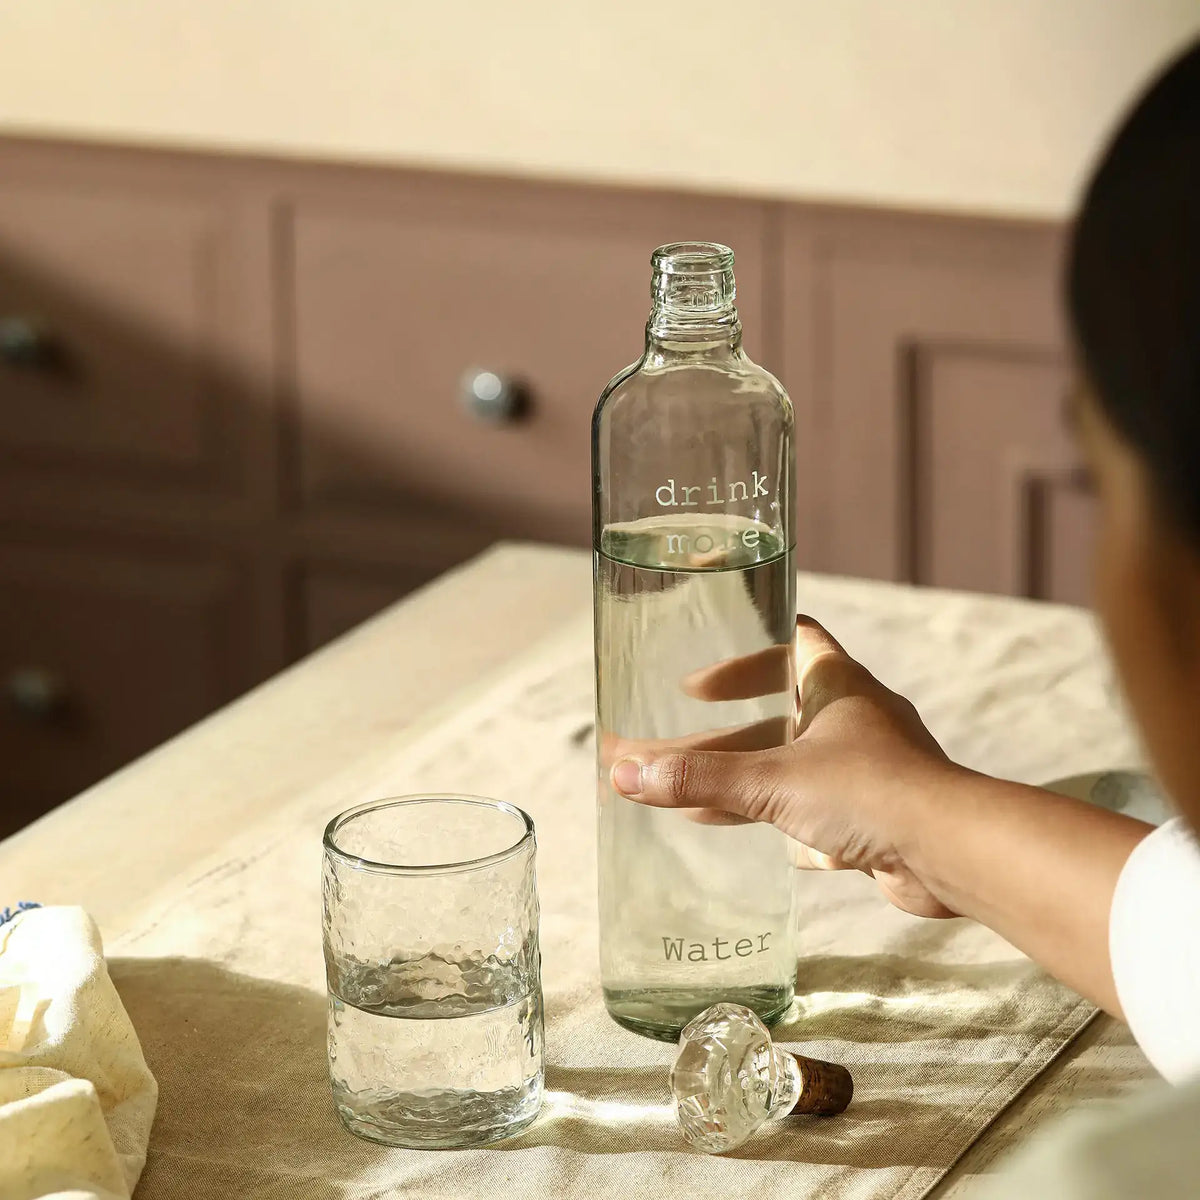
34,693
24,343
492,397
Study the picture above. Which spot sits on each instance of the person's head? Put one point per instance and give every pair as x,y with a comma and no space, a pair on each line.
1133,297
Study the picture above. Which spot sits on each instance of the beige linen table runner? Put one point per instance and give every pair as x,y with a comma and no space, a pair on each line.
942,1023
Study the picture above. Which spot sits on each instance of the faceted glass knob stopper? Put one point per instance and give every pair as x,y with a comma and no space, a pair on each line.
729,1079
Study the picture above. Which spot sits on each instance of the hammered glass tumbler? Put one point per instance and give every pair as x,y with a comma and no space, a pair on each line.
433,970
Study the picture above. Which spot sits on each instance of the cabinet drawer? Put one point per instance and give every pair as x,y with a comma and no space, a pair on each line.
394,305
102,656
110,307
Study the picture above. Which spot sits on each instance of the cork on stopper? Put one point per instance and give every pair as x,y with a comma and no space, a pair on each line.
825,1088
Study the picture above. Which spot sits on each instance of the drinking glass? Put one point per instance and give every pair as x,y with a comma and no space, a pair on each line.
433,970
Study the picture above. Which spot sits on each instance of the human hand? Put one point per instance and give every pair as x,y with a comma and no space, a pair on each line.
850,789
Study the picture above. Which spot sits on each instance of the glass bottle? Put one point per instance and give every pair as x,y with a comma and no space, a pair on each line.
693,493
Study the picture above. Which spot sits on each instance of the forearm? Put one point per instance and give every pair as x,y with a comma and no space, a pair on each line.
1038,868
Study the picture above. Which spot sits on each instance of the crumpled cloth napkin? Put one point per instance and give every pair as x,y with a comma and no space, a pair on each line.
76,1097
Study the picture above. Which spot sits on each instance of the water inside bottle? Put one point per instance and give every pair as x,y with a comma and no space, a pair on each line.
692,912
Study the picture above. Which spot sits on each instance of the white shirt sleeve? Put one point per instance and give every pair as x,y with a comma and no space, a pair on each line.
1154,944
1149,1147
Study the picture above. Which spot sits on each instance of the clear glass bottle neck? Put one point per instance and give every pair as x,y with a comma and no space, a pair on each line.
693,315
667,345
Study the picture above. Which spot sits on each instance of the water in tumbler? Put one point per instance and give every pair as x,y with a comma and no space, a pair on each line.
692,913
451,1069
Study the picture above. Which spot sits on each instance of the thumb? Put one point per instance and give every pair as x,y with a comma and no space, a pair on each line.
746,783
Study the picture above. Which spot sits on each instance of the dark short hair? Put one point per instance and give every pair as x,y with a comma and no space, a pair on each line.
1133,287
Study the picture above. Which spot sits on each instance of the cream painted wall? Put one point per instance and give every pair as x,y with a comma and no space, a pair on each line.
984,105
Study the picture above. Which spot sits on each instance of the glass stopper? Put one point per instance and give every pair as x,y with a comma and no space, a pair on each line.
729,1079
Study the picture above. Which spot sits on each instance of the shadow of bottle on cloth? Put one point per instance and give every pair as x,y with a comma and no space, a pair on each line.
937,1050
244,1104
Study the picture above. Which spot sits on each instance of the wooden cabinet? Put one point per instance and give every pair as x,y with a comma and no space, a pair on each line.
245,404
932,368
400,299
332,600
105,651
116,303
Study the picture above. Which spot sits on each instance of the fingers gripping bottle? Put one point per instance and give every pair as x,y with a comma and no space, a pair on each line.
693,493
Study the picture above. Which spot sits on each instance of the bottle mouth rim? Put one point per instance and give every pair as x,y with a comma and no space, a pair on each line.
692,258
